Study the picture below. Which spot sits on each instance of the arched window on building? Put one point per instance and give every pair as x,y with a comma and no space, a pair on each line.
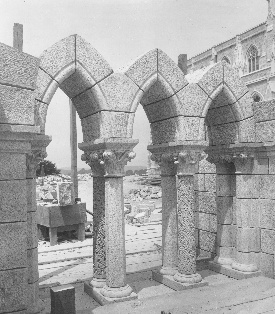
253,59
226,59
257,97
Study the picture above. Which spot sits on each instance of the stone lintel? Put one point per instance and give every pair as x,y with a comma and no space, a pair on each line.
170,282
101,299
233,273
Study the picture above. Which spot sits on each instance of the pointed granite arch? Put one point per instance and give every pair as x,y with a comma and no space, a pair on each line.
73,65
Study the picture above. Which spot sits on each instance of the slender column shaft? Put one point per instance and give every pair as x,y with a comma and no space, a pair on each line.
186,225
99,250
115,233
169,225
73,142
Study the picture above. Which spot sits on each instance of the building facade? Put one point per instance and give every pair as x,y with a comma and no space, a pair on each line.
252,53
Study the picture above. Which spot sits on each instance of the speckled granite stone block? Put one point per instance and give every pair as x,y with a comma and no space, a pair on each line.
32,240
120,92
226,185
248,239
45,88
220,100
248,186
224,134
246,106
179,128
59,56
225,210
164,109
210,182
13,246
267,241
65,193
13,201
248,214
13,290
206,202
17,105
193,100
247,131
265,131
32,256
170,71
212,78
234,82
143,70
158,91
17,68
206,167
208,222
89,102
225,235
267,264
207,240
267,213
40,114
220,115
12,166
107,124
199,182
266,185
91,60
264,110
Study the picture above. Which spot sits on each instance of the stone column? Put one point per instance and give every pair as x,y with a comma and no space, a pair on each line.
248,236
169,213
187,167
110,157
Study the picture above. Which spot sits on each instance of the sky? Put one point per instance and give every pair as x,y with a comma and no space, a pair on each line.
122,30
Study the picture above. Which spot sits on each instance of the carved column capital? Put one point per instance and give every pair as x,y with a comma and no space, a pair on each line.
243,162
187,161
32,160
108,162
166,162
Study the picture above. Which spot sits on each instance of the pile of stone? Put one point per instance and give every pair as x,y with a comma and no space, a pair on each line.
144,193
46,187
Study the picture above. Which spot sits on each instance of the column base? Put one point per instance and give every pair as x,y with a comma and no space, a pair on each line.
170,282
223,260
98,282
229,271
96,294
246,268
183,278
171,271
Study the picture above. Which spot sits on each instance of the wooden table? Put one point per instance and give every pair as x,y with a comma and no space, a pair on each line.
62,218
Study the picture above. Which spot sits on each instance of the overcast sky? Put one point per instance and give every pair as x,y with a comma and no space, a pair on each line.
121,30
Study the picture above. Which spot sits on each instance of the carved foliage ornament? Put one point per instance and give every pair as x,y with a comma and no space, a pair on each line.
107,162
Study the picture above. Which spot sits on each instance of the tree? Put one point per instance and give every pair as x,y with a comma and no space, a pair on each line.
49,168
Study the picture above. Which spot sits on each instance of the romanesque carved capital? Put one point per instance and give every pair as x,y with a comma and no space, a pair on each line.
32,161
166,162
108,162
218,158
187,161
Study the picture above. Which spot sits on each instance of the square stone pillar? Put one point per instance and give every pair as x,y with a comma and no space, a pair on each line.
107,158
